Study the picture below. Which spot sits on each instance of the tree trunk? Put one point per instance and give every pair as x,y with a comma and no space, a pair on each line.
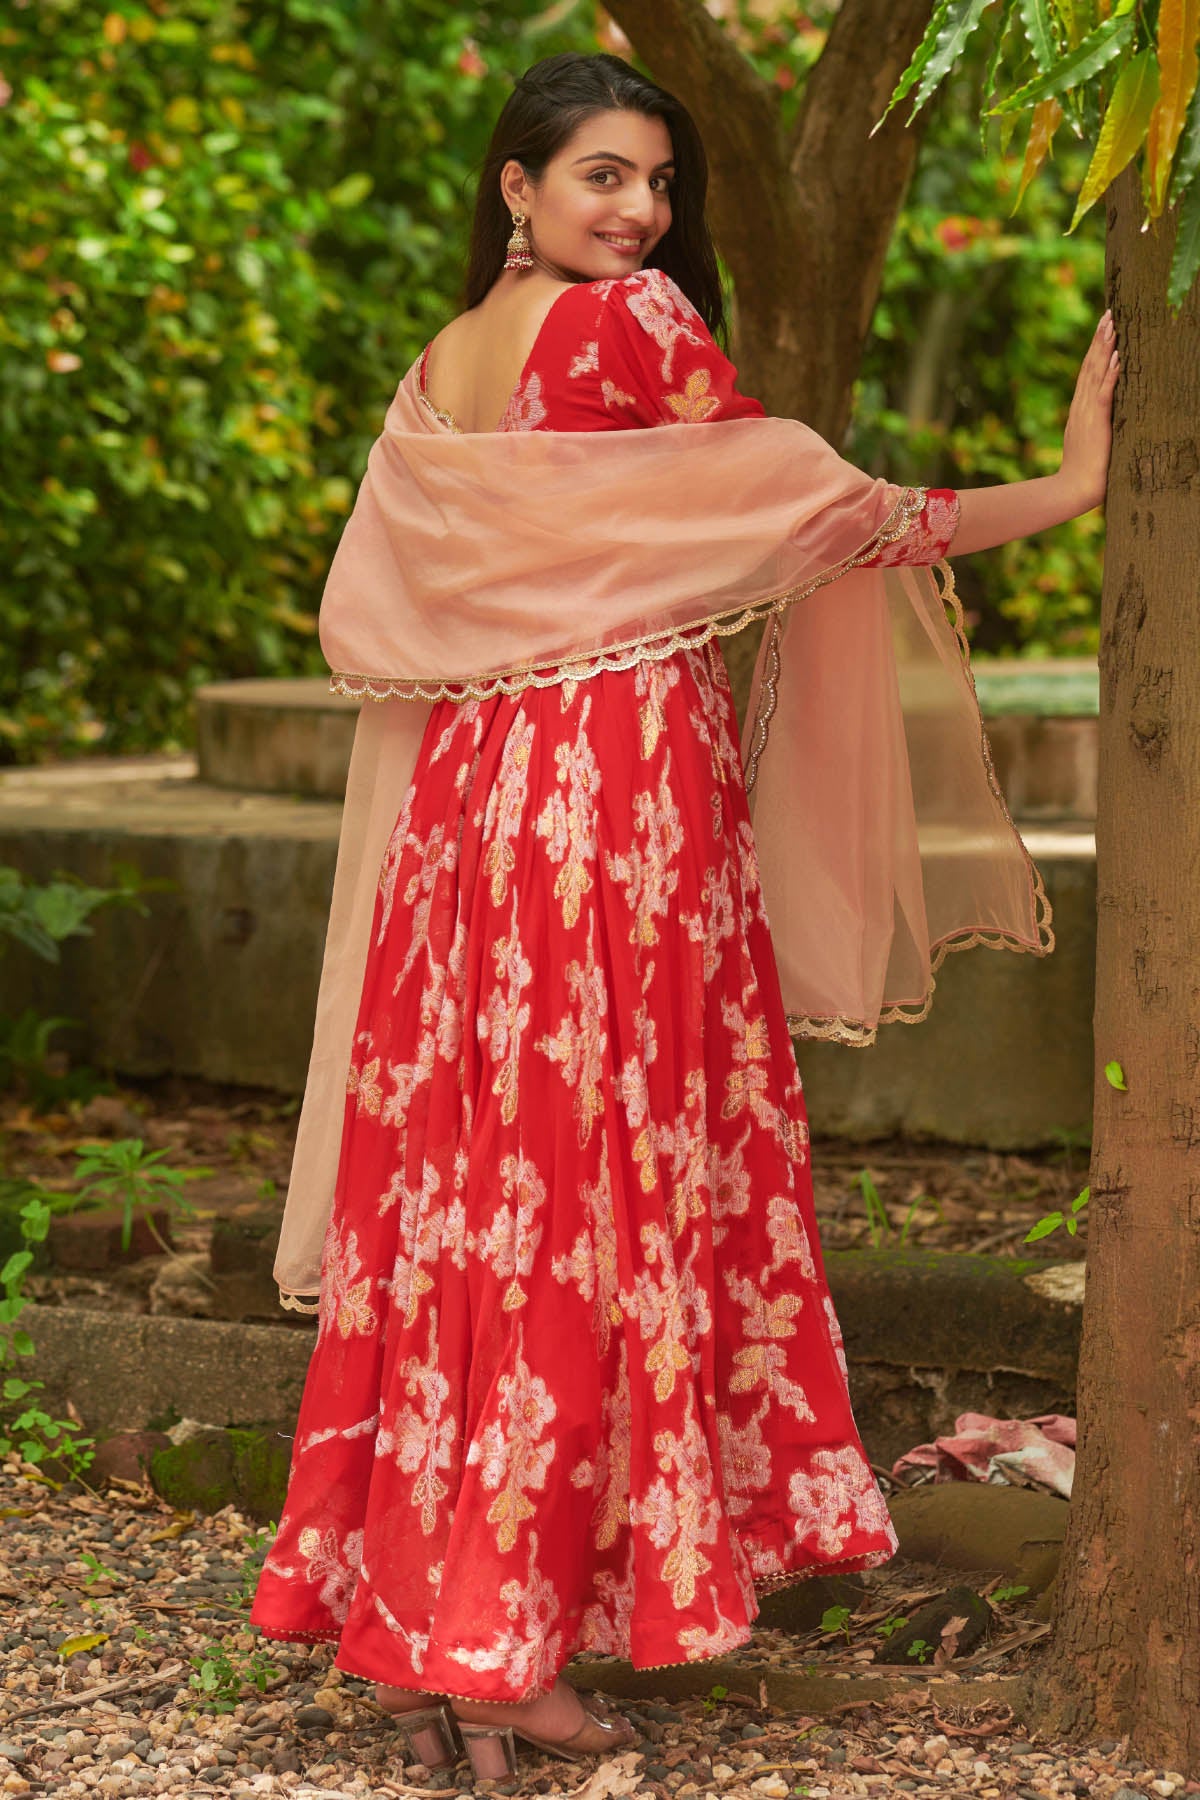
1126,1654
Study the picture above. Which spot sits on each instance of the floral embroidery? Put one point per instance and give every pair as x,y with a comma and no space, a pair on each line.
696,402
929,537
526,409
663,314
510,1454
615,396
654,681
506,805
586,362
336,1569
505,1017
646,873
508,1244
345,1302
579,1044
568,824
834,1499
422,1443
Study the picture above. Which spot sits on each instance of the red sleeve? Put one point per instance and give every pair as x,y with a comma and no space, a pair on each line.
927,539
658,363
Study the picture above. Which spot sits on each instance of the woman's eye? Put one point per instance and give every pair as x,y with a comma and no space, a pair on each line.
601,175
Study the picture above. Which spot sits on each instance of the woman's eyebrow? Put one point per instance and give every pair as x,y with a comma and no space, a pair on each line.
611,156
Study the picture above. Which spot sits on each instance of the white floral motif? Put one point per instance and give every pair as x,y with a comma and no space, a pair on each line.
745,1458
591,1264
505,808
568,821
835,1498
645,871
336,1568
663,314
501,1024
509,1453
526,409
679,1509
585,361
422,1442
671,1310
345,1302
531,1657
579,1044
508,1245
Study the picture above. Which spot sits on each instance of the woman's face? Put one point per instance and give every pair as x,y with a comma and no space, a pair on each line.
603,202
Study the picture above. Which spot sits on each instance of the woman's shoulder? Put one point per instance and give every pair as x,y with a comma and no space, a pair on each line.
646,296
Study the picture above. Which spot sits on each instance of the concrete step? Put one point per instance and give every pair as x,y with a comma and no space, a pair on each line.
219,979
293,737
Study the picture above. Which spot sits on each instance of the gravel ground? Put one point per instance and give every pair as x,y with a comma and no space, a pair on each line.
160,1599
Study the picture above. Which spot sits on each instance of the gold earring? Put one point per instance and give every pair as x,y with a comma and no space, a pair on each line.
518,255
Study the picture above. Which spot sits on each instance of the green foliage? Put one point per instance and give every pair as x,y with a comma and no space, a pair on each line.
1114,1074
227,230
41,918
125,1174
1129,84
222,1673
1051,1221
968,371
25,1425
836,1619
920,1650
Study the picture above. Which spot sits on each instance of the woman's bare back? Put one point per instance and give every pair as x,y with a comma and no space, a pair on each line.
476,360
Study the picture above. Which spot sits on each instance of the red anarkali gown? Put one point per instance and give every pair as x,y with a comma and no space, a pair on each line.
578,1383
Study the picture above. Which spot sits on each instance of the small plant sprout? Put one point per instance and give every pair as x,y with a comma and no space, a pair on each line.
890,1625
219,1677
920,1651
713,1697
96,1570
124,1174
836,1618
878,1223
1001,1594
25,1425
1052,1221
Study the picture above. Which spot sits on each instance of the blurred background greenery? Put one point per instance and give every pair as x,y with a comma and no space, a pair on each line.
227,230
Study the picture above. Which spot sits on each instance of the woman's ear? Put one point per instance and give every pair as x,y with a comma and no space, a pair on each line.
516,189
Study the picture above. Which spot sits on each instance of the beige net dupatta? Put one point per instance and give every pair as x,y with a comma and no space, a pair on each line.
478,564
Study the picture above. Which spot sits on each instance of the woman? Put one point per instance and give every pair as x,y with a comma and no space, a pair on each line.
578,1382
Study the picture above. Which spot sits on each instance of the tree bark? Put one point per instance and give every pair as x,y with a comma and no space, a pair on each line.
1126,1652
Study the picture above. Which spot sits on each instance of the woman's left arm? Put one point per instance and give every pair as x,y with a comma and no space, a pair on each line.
995,515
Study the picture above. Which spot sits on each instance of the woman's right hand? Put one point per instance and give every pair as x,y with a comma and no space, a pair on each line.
1087,441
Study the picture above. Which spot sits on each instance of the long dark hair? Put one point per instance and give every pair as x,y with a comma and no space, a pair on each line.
546,107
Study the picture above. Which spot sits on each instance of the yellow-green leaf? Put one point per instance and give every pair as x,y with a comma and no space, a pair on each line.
1047,117
1123,130
1115,1076
1178,66
90,1640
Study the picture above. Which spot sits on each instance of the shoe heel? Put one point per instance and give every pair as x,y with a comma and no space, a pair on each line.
491,1749
431,1736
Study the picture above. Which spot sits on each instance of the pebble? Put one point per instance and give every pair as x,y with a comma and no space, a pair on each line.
315,1716
752,1731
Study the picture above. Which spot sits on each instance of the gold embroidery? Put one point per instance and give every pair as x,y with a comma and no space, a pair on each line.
696,403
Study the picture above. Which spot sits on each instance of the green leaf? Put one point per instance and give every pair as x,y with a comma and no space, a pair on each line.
15,1267
1115,1076
1039,29
1185,263
90,1640
1123,130
351,191
1097,50
921,56
949,43
1044,1227
993,67
1187,157
1081,1199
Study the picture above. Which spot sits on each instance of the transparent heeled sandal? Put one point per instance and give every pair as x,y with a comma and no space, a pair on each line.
493,1750
432,1734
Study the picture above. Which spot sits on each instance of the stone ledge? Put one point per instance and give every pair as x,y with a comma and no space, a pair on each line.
926,1334
243,917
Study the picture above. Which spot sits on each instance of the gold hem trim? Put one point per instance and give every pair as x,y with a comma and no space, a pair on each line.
552,671
291,1302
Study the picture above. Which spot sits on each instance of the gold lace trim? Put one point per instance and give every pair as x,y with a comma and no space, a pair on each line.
293,1303
853,1031
649,647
